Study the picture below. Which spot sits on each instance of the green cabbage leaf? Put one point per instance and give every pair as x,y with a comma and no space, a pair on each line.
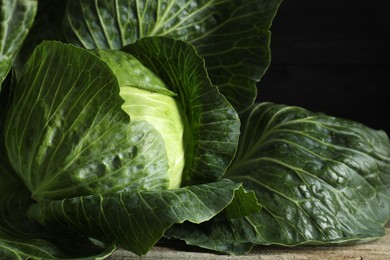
66,134
318,179
22,238
140,218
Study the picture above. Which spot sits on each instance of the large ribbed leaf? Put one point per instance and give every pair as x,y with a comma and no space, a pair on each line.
136,221
16,18
232,36
66,134
23,238
319,180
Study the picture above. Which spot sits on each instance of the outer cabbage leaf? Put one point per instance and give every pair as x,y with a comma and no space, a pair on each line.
232,36
66,134
136,221
23,238
214,125
318,179
16,18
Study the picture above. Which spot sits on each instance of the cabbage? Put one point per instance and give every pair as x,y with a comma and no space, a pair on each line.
124,122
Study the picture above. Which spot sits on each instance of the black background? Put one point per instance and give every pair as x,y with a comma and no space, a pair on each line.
333,57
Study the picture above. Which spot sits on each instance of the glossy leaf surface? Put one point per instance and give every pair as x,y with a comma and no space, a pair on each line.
23,238
318,179
136,221
66,134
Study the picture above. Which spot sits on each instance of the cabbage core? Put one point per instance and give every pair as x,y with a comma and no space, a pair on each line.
165,114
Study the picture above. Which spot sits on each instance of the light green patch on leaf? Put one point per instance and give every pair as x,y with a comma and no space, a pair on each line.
167,116
148,98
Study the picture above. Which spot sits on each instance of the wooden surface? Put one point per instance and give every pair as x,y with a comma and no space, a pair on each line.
377,250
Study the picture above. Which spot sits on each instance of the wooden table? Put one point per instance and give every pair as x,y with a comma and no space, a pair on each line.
377,250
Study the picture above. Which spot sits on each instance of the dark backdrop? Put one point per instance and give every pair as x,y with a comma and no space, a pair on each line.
333,57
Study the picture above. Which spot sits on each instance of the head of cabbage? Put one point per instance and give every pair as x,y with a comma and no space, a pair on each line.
105,121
